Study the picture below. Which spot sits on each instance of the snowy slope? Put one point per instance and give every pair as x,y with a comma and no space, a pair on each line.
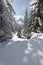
22,52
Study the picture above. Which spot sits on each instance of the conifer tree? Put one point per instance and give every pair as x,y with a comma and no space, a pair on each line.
27,32
25,21
6,19
37,16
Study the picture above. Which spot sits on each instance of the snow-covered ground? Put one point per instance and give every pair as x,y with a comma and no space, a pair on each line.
22,51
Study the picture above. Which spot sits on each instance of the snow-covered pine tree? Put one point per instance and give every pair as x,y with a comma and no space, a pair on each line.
36,15
26,31
25,21
6,19
34,18
40,13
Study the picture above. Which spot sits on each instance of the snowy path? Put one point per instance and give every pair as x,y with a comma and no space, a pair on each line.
22,52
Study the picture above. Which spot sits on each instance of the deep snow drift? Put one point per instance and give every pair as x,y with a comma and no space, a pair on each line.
22,51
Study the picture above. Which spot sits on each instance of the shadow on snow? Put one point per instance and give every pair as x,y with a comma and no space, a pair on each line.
28,52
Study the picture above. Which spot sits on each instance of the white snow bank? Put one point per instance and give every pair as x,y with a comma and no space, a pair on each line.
15,38
38,35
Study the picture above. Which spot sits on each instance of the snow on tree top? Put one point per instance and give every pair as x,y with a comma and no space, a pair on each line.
10,1
33,1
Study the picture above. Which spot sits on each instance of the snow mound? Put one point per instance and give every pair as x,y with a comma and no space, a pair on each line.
34,35
15,38
37,35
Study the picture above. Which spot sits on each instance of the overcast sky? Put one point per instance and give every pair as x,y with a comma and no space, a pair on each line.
20,5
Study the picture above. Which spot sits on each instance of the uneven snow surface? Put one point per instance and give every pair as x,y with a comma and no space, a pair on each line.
22,51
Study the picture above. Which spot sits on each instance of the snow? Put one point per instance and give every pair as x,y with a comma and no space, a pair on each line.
7,1
17,19
33,1
15,38
38,35
20,51
10,1
20,22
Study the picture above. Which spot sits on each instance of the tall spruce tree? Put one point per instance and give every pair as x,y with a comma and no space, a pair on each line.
37,16
40,12
26,31
25,21
6,19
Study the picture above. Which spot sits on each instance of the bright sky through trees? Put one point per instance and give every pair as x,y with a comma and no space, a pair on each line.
20,5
